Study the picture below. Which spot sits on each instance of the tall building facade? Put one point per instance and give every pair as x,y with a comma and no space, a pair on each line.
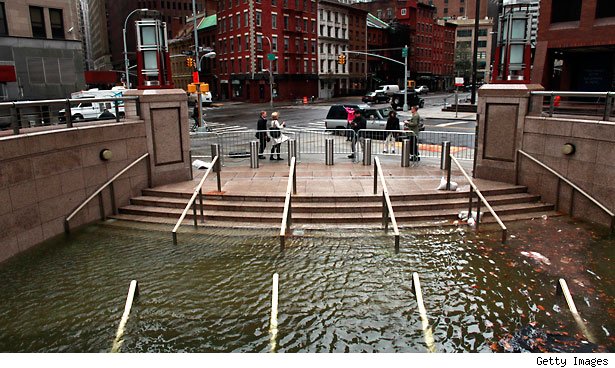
464,48
459,8
41,53
333,41
357,41
575,49
248,32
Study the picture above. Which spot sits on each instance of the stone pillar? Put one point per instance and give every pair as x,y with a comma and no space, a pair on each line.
502,109
165,113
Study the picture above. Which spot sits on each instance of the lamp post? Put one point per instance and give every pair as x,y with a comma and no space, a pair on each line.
126,64
210,55
270,71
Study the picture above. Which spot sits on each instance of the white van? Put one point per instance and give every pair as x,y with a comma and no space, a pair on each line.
388,89
206,99
95,110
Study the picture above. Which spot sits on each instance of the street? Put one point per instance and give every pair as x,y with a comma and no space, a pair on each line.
233,116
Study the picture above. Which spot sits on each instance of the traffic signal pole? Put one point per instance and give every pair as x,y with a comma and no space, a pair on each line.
198,65
405,64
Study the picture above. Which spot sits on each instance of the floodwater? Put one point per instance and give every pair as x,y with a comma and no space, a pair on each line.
349,292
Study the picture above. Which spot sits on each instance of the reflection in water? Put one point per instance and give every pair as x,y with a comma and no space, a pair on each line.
350,293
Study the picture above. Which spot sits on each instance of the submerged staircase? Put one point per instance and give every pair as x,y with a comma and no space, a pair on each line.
421,209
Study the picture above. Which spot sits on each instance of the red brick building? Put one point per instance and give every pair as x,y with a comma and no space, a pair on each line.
248,31
458,8
575,48
357,41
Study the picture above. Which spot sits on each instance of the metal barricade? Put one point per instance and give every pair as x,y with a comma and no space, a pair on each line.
292,150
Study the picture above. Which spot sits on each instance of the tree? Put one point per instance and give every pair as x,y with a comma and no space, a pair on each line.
463,59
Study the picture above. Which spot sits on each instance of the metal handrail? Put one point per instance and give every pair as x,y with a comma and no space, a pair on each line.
65,100
287,214
572,185
197,191
608,96
387,206
474,188
98,192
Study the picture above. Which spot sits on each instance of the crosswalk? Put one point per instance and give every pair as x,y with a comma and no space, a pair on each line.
226,128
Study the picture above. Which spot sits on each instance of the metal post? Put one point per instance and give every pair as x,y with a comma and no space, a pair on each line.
608,105
194,216
444,153
367,152
405,153
385,212
15,120
475,53
292,150
456,103
215,152
254,154
477,211
406,80
201,202
68,114
117,111
375,177
112,195
448,172
329,151
101,206
471,200
552,104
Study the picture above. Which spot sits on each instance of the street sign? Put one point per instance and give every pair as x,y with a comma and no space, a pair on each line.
404,52
458,81
271,57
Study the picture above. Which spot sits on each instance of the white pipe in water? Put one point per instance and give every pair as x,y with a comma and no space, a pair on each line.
273,326
427,332
117,343
575,312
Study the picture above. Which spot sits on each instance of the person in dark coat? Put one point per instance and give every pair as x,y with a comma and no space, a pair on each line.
261,134
357,124
392,124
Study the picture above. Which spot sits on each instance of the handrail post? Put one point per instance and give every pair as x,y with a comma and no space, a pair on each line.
290,213
385,212
608,104
215,152
101,204
295,177
448,172
471,201
571,200
376,164
149,171
117,111
201,203
15,119
112,195
517,157
477,213
552,104
194,216
559,184
68,114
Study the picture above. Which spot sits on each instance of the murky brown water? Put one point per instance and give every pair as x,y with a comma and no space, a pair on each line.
351,293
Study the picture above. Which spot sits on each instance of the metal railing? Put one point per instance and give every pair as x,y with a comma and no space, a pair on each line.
474,189
99,191
574,187
592,104
387,207
291,188
236,144
198,191
19,115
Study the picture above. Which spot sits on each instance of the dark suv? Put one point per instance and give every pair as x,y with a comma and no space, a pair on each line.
397,101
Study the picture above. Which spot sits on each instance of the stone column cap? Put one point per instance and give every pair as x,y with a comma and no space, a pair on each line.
508,90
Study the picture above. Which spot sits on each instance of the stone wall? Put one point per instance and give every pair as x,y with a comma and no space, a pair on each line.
46,175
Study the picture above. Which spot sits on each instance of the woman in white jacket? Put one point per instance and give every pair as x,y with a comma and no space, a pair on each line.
276,135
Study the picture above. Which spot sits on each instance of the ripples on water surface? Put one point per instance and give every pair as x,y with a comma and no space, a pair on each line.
212,292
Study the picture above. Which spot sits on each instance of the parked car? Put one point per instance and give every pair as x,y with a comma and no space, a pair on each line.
376,97
421,89
397,101
388,89
376,117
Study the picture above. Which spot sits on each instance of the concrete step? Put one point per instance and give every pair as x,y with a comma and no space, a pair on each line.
334,206
374,215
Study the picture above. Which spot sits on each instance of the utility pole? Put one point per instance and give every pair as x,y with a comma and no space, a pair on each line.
404,53
199,99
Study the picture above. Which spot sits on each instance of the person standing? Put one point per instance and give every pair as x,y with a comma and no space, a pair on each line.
276,135
261,134
349,119
357,124
392,124
414,126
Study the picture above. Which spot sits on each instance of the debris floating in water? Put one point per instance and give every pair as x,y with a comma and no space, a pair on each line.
537,257
535,340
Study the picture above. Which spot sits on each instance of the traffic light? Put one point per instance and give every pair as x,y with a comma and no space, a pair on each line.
341,59
189,62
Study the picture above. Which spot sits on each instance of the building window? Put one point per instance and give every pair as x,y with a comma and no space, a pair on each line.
464,33
239,44
286,22
482,43
274,43
566,11
605,8
259,42
403,11
38,22
462,10
258,18
274,21
4,30
238,21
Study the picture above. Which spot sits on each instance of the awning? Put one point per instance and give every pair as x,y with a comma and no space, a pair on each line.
210,21
7,73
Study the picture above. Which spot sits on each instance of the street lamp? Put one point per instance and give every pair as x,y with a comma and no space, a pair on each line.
125,50
271,58
210,55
